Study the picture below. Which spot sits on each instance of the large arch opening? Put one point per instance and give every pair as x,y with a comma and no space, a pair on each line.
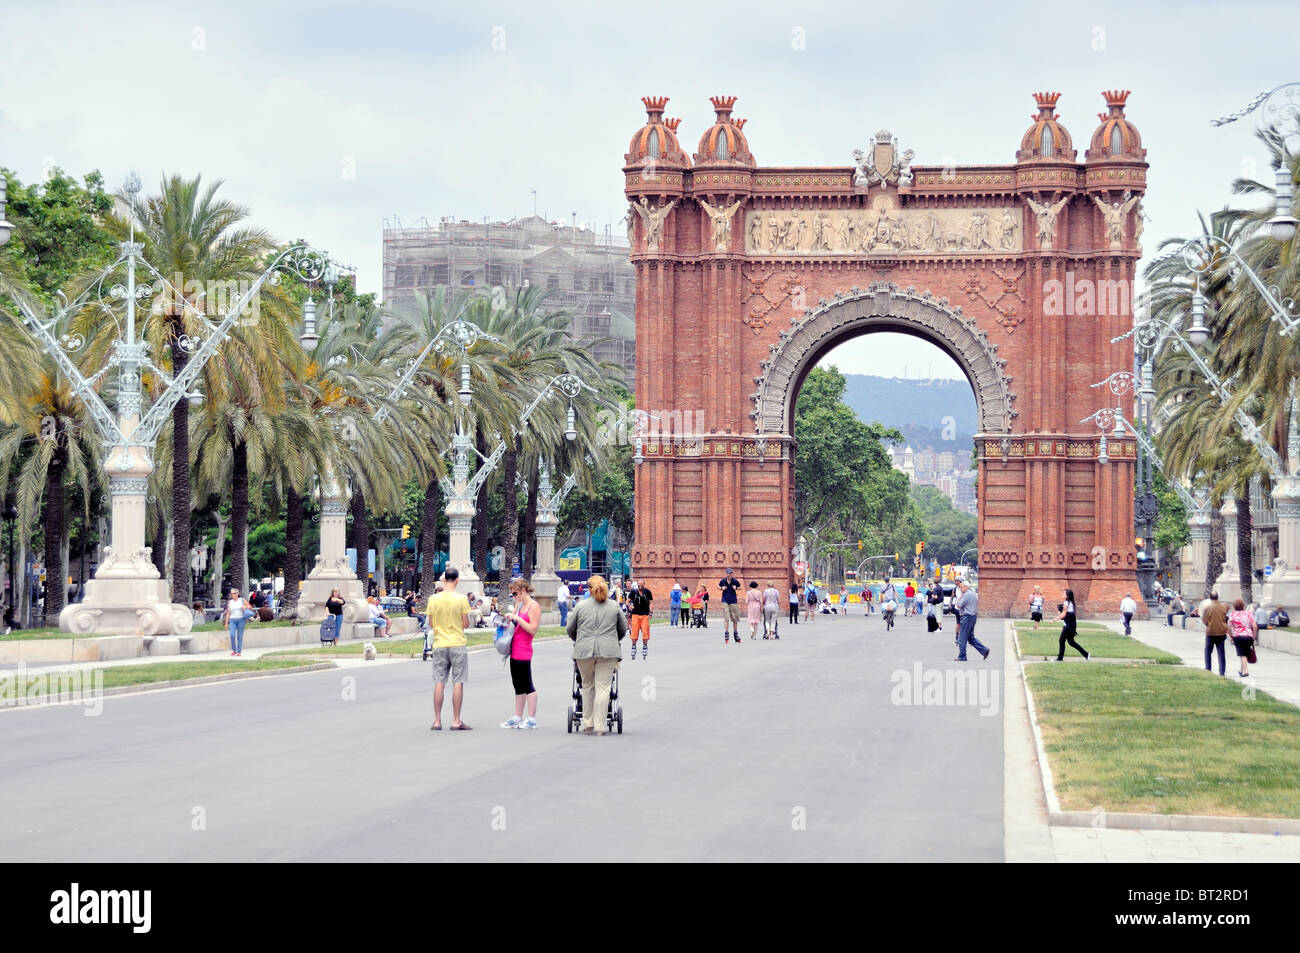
925,490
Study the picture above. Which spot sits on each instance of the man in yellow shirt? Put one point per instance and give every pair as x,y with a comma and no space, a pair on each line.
448,614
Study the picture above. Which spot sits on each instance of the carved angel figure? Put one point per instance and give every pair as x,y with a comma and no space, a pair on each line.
654,220
1046,215
1114,215
721,218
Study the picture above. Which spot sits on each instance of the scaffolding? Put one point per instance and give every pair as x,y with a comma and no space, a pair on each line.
586,271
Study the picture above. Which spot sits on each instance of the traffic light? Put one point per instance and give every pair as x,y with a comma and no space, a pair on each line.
859,544
920,548
895,557
406,531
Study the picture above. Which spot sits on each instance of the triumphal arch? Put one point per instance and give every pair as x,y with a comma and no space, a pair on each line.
1022,272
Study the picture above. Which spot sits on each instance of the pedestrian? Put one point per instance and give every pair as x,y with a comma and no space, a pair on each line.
704,601
334,616
1214,616
697,608
1036,606
1244,632
639,598
795,600
844,601
812,603
919,599
1070,628
563,601
448,613
869,598
378,618
686,606
730,585
1126,609
674,604
1172,605
909,597
526,616
236,616
771,606
934,616
968,614
410,605
596,628
753,609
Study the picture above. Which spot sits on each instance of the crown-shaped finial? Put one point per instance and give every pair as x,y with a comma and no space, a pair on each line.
1115,97
740,123
723,104
654,105
673,124
1046,105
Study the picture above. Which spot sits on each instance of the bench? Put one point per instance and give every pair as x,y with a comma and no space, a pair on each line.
363,630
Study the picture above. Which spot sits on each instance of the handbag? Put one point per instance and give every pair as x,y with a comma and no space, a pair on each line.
1251,658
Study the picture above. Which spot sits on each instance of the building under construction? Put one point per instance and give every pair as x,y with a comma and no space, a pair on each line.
587,272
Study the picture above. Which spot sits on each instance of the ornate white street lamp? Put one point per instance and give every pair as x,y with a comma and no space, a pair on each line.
1281,112
127,595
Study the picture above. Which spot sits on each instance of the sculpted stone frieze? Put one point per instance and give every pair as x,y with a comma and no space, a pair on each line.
882,230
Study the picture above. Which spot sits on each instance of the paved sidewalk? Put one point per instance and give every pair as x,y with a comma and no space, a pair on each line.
1277,673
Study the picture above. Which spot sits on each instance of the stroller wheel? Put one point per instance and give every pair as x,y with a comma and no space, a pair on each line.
620,721
569,724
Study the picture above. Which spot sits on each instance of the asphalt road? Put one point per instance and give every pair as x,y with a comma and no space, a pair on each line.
779,750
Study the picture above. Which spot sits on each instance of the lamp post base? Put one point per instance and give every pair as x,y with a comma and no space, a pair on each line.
127,606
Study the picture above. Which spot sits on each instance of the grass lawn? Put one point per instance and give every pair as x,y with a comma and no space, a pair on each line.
1152,739
412,645
1100,642
57,633
118,676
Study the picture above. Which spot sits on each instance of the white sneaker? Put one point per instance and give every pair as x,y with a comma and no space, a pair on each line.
529,724
514,721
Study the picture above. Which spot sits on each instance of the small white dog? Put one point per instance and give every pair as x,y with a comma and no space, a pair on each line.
369,651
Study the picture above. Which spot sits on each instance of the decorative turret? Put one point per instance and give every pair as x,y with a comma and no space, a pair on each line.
1116,137
724,143
1046,139
656,141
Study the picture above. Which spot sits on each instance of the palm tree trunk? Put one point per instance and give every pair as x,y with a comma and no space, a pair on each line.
1218,550
479,547
159,551
361,535
239,518
180,521
1245,551
293,508
56,583
219,559
510,519
429,537
530,522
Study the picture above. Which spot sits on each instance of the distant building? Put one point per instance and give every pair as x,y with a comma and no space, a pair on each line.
588,273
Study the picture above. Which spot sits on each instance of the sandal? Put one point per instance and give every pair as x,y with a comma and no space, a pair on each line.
461,727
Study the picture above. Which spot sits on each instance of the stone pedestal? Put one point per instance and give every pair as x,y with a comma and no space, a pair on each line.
1282,587
544,580
1194,576
460,518
331,570
1229,584
127,596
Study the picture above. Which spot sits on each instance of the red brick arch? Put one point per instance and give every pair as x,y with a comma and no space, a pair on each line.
747,275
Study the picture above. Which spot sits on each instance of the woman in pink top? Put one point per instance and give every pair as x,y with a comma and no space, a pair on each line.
526,616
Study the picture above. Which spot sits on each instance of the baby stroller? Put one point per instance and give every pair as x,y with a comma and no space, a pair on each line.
428,644
613,716
698,619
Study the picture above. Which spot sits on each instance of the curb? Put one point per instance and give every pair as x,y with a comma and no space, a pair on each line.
184,683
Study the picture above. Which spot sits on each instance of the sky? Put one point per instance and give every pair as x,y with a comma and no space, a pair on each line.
326,120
